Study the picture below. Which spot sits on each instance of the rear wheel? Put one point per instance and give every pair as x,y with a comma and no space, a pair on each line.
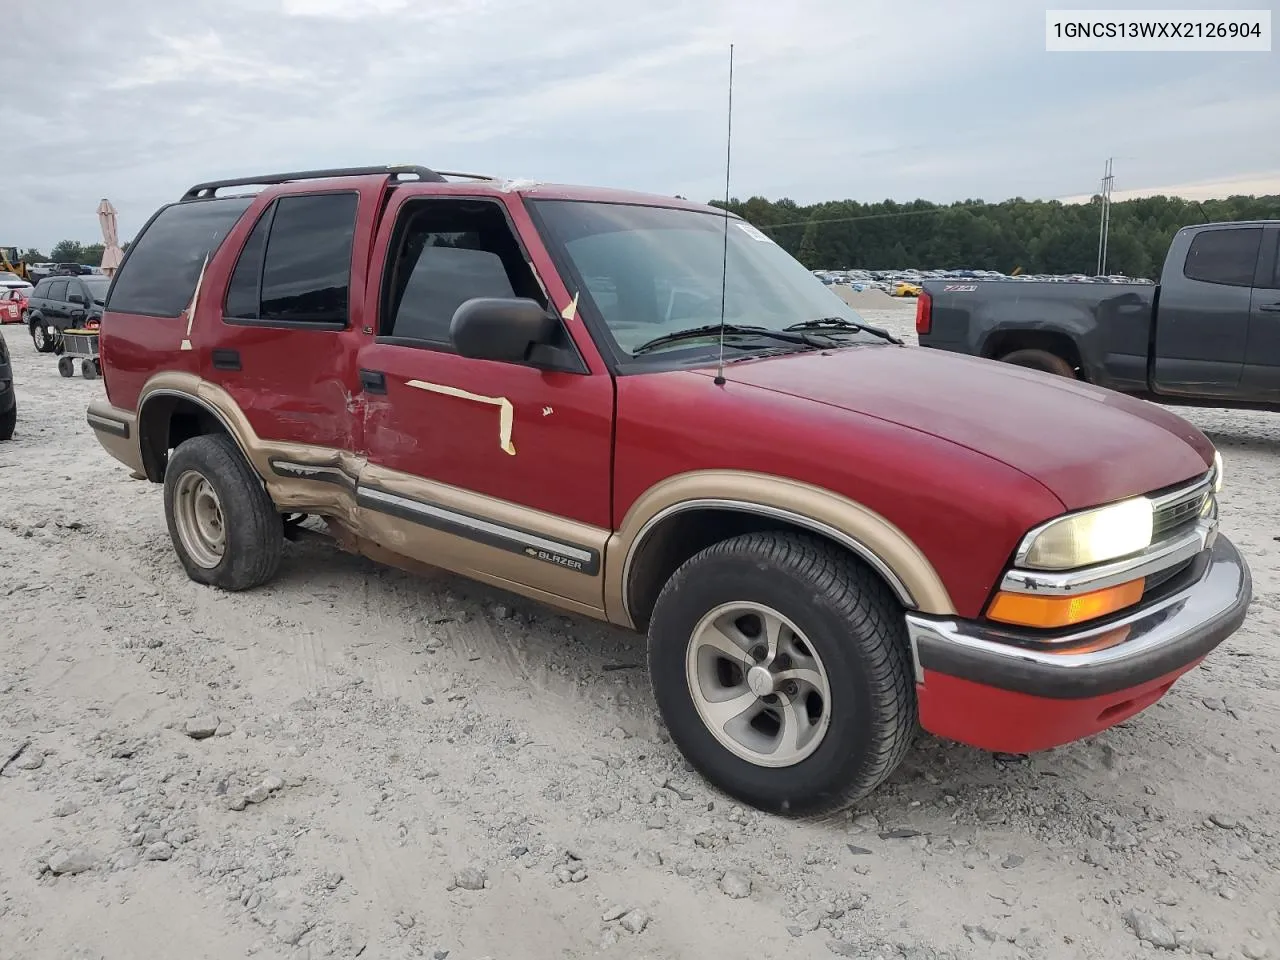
222,522
781,666
1041,360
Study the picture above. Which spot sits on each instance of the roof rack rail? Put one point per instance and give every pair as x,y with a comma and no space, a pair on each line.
468,176
206,191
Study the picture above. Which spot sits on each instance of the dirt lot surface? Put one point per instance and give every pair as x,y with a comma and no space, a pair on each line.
352,762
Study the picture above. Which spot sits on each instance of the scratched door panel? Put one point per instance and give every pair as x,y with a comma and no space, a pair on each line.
447,427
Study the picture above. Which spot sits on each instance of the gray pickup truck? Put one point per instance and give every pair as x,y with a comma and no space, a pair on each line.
1207,335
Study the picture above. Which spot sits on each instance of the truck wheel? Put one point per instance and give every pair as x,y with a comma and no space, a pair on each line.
67,366
40,337
223,525
1040,360
781,667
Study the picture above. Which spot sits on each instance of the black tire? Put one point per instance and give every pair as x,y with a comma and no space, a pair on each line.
850,619
40,337
88,368
254,540
1041,360
9,420
67,366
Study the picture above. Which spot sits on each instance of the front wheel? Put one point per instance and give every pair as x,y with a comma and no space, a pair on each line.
66,366
40,337
781,666
223,524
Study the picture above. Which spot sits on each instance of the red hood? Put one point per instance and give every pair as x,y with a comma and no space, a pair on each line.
1086,444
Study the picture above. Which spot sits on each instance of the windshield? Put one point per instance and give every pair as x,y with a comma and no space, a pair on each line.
97,287
5,275
653,271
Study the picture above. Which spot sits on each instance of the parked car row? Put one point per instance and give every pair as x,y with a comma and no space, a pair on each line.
907,282
40,271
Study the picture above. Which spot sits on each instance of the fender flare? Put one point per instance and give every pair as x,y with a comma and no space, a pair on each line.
862,531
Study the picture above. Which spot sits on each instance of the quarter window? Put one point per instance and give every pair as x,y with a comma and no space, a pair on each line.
448,252
159,274
1226,257
296,265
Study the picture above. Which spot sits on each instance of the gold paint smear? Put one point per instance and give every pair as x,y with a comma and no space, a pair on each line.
506,412
571,311
191,307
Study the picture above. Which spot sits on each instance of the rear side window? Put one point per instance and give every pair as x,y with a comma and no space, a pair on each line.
1226,257
159,275
57,290
296,265
42,288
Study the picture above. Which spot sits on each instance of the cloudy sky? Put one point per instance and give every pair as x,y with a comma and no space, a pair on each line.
833,99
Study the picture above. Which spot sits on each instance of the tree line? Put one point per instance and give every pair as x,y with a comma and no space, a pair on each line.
1038,236
68,251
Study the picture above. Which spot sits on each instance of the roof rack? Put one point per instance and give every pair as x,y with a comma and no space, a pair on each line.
206,191
468,176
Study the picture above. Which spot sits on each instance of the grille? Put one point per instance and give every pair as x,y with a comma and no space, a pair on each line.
1179,511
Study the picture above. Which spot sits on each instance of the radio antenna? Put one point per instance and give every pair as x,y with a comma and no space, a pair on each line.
724,267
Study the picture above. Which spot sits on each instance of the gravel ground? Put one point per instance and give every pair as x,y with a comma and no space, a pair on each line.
353,762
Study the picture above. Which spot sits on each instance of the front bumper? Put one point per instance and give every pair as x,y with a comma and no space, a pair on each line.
991,688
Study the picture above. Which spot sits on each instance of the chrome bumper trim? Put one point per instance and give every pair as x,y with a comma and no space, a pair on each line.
1162,637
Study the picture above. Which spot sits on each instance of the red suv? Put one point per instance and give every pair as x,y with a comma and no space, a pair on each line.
643,410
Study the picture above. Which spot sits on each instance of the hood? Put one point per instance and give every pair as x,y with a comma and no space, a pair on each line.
1085,444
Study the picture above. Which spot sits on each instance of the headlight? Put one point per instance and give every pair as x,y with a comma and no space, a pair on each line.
1217,472
1093,536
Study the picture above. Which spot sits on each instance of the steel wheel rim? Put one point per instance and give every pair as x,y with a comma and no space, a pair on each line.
197,514
758,684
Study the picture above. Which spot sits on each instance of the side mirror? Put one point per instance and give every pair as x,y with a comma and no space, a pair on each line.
77,298
507,330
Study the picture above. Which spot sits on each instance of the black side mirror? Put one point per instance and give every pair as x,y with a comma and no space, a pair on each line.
77,298
513,330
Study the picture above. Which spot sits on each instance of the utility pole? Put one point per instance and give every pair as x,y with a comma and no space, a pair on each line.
1104,225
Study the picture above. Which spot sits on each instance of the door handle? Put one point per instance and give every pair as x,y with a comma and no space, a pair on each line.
226,359
373,381
1270,307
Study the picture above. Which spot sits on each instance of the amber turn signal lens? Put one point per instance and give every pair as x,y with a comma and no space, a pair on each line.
1029,610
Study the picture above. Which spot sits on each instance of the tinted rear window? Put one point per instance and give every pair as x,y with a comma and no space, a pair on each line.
159,275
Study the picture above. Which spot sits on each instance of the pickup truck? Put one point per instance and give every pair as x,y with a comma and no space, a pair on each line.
643,410
1207,335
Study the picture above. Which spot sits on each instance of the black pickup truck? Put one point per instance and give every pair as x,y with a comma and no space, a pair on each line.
1207,335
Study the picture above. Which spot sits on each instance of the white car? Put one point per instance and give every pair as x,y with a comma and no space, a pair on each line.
11,281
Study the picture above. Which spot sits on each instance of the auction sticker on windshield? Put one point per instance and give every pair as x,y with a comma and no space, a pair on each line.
753,233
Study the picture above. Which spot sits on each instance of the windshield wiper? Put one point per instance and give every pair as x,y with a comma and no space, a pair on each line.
730,330
840,323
